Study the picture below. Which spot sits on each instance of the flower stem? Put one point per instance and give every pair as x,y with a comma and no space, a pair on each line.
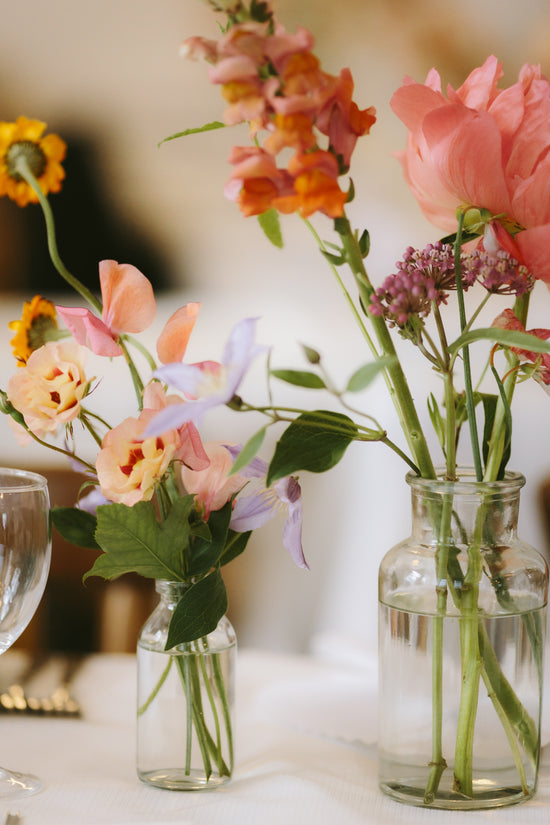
25,172
400,392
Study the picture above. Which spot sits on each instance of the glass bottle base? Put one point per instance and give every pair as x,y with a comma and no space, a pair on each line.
487,793
174,779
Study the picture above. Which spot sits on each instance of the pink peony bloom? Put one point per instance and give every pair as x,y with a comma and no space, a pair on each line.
483,147
49,388
128,306
213,487
129,465
507,320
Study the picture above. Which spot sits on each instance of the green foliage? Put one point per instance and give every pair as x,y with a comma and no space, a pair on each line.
76,526
271,226
208,127
314,441
504,337
311,354
438,422
300,378
198,611
249,451
133,540
366,374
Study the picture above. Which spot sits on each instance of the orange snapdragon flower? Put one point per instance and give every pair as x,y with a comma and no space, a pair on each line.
316,187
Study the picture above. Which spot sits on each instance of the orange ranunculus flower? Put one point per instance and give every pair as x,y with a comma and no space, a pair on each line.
25,140
483,147
49,389
129,465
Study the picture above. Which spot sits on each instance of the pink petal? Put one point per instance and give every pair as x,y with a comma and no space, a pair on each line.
128,298
534,245
173,340
192,451
89,331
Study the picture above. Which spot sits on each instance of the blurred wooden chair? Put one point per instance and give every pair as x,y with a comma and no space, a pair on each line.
90,617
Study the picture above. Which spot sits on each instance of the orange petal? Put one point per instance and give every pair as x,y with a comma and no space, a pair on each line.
173,340
128,298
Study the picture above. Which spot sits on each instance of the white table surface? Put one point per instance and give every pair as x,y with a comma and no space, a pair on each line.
306,753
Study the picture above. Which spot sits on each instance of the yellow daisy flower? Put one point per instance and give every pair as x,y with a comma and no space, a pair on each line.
31,332
24,139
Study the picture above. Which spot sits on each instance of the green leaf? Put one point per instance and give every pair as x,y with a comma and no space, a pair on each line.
300,378
366,374
134,541
208,127
271,226
76,526
315,441
504,337
249,451
438,422
234,546
198,611
205,554
335,260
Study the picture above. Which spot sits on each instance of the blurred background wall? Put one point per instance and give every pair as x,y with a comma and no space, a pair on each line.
107,76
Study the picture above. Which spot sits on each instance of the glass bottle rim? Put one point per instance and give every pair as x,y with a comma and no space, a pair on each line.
465,483
14,480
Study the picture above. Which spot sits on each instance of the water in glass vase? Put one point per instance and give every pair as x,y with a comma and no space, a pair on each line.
184,733
418,713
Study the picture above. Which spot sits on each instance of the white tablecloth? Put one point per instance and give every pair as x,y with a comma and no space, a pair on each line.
306,754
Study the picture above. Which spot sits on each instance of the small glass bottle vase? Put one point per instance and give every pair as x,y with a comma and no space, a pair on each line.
185,702
461,643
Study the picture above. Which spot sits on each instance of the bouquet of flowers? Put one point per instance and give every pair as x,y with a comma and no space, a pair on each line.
173,508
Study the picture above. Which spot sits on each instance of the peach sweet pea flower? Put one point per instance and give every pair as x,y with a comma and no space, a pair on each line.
173,340
212,487
128,306
129,465
483,147
49,389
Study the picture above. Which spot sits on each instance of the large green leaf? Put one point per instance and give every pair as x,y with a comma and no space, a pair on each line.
234,546
133,540
76,526
204,554
198,611
314,441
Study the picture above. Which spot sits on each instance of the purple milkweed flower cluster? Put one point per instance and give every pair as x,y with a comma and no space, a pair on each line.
422,276
426,276
499,272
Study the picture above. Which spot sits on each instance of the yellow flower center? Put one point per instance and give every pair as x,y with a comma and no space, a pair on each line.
30,152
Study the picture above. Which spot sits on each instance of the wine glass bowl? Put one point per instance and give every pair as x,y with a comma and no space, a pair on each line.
25,550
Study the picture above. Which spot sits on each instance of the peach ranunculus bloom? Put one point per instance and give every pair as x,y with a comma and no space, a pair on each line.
49,389
212,486
189,449
482,147
129,465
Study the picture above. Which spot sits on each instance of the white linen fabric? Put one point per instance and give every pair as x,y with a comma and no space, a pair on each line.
306,754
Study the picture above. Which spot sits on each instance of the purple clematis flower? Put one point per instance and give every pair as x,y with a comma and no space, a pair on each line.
254,510
207,384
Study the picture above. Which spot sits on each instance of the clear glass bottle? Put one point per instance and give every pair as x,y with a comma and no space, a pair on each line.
185,702
461,643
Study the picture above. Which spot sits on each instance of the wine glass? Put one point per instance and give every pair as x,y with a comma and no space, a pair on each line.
25,549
